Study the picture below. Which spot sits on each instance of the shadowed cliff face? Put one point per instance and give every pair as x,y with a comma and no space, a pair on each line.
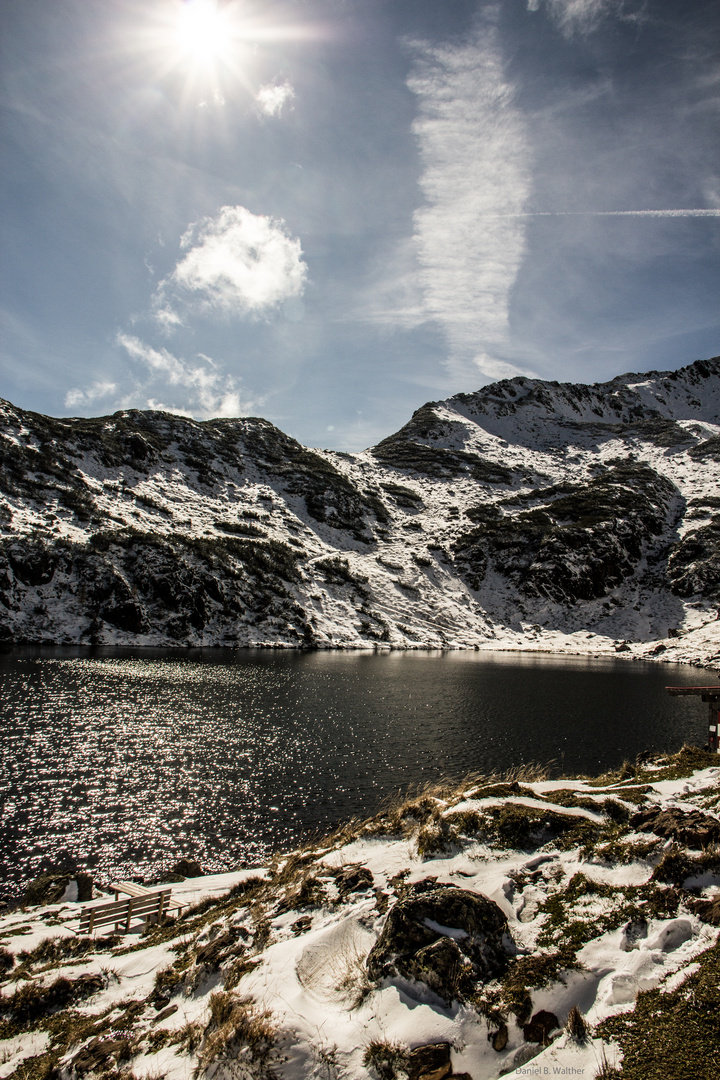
528,503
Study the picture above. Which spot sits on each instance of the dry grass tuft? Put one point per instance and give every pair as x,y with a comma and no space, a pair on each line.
576,1025
606,1070
238,1032
387,1060
351,974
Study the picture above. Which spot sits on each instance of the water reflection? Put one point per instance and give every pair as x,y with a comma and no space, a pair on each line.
124,761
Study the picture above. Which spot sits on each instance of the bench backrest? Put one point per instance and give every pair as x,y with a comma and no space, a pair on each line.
123,911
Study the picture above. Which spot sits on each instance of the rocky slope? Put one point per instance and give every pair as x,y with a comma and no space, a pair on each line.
528,514
516,928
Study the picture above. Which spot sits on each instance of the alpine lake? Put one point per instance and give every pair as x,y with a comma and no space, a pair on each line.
122,761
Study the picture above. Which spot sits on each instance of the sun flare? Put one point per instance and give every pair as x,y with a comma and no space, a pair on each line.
203,30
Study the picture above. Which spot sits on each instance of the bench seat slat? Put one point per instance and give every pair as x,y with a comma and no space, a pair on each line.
131,888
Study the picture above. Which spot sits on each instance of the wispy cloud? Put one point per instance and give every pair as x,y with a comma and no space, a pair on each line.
206,390
475,178
84,398
495,368
583,16
612,213
237,264
272,98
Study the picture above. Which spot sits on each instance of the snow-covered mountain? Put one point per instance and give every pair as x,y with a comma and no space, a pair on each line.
531,514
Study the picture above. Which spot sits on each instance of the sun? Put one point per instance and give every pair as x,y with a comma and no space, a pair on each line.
203,31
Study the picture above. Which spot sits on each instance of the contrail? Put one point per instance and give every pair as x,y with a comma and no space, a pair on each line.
611,213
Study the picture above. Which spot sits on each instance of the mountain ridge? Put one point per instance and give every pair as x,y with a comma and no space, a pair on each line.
526,514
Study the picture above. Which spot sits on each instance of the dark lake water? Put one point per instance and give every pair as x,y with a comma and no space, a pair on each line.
123,761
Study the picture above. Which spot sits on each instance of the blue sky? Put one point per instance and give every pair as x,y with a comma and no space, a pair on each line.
327,212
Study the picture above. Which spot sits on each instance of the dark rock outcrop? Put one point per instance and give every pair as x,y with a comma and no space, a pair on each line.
538,1029
430,1062
353,879
49,888
690,827
571,542
437,933
189,868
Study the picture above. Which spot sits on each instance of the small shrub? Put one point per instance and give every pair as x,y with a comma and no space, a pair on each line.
525,828
40,1067
237,969
467,822
436,839
221,1007
246,1033
310,893
188,1037
388,1060
606,1071
158,1039
676,865
167,982
529,972
53,950
616,811
33,1001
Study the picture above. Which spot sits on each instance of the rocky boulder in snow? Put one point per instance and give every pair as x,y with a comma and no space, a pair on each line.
539,1027
55,886
435,933
429,1062
690,827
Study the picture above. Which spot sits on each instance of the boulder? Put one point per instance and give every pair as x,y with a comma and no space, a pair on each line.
187,868
437,965
435,933
499,1038
690,827
539,1027
430,1062
353,879
55,886
707,910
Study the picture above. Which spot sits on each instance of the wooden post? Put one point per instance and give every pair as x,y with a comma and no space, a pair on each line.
711,696
129,914
713,724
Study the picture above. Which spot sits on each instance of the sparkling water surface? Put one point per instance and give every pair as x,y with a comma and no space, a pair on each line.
122,761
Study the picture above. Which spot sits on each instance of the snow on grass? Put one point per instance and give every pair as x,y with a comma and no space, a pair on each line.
266,973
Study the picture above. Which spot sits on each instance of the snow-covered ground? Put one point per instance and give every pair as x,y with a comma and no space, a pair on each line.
267,974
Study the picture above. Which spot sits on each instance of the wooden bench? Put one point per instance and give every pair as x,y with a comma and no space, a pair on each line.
131,888
150,907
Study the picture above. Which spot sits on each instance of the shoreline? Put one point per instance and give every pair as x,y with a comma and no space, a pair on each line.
665,651
595,878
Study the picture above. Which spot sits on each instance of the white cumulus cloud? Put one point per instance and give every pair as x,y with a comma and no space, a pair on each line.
237,263
475,178
272,97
